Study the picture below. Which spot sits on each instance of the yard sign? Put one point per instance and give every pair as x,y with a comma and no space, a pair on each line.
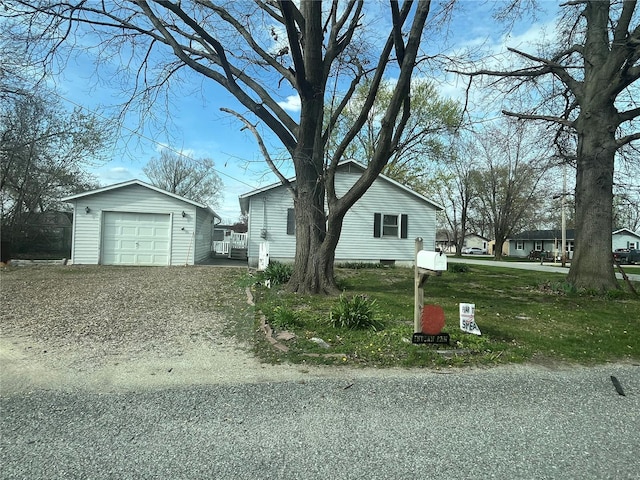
467,318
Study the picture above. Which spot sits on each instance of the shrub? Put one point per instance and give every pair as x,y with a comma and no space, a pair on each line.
358,312
278,273
458,267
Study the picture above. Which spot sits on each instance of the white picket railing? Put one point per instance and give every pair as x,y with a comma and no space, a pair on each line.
235,240
239,240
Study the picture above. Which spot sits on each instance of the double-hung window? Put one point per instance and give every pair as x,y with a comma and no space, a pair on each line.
390,225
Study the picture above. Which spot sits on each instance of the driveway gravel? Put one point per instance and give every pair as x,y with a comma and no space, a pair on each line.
118,328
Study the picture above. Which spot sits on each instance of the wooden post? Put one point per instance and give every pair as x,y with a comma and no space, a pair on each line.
418,291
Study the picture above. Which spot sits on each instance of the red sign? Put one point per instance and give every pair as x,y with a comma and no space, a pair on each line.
432,319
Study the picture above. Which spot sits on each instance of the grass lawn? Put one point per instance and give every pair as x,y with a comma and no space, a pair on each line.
523,316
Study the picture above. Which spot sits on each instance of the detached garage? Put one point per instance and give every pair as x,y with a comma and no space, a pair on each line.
134,223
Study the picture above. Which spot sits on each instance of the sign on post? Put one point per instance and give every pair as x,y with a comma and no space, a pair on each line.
467,318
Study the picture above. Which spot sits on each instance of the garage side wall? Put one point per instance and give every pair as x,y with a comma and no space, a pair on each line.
204,235
88,227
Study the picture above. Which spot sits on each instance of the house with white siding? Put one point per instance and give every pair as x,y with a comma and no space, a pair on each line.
524,243
380,228
625,238
134,223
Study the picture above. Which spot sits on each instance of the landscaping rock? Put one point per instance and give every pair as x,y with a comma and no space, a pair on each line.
285,336
320,342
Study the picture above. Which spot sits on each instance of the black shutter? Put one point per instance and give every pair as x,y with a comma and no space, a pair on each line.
377,223
291,221
404,226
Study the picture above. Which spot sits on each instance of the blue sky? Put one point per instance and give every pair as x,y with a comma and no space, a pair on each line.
200,129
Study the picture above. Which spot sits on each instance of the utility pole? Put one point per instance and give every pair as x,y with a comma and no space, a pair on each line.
564,218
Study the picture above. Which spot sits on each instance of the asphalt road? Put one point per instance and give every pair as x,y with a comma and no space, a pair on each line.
504,423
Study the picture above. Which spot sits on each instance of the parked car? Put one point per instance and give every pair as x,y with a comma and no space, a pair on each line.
626,255
474,251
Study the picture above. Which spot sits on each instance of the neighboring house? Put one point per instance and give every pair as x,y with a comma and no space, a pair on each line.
381,227
474,240
134,223
540,241
550,241
625,238
492,248
444,241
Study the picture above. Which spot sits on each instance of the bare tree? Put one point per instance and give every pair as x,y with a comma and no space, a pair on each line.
195,179
585,87
453,186
44,153
511,165
261,51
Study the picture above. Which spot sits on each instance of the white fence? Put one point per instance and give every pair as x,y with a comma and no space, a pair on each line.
235,240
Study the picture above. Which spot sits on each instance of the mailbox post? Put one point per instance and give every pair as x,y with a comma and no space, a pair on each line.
427,264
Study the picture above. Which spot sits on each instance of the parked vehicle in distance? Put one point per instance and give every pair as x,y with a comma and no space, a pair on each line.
474,251
626,256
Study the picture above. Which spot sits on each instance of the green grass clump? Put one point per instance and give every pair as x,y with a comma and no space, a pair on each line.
458,268
277,273
357,312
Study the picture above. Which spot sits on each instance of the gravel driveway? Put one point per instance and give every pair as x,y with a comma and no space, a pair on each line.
113,328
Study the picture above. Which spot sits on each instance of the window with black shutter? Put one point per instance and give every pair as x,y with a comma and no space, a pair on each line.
393,226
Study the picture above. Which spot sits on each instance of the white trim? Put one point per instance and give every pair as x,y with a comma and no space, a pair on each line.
626,230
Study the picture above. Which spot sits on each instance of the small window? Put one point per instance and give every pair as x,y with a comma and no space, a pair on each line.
393,226
538,246
519,245
389,225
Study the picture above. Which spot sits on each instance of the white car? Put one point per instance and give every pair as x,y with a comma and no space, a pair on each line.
474,251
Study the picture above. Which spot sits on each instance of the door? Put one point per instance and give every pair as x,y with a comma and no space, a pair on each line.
136,238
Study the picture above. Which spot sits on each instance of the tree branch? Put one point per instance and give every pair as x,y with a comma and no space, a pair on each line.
628,139
548,118
263,149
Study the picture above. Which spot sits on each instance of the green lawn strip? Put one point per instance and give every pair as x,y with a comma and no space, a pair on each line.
522,315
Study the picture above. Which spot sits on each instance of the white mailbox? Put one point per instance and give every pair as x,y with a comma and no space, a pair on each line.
436,261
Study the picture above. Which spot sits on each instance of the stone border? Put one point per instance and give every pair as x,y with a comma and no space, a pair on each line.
264,326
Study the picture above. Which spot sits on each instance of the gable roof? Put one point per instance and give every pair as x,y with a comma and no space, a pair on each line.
244,198
140,183
627,231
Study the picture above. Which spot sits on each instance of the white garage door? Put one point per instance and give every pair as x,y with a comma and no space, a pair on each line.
135,239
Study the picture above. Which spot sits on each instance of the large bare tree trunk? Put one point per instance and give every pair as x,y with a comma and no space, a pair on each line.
592,266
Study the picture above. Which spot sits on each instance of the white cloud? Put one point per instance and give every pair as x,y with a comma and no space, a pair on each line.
292,103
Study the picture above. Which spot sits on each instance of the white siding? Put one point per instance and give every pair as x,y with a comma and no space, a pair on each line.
623,239
357,241
87,227
204,232
268,211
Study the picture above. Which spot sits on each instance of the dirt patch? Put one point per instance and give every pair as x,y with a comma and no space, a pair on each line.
108,328
111,329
